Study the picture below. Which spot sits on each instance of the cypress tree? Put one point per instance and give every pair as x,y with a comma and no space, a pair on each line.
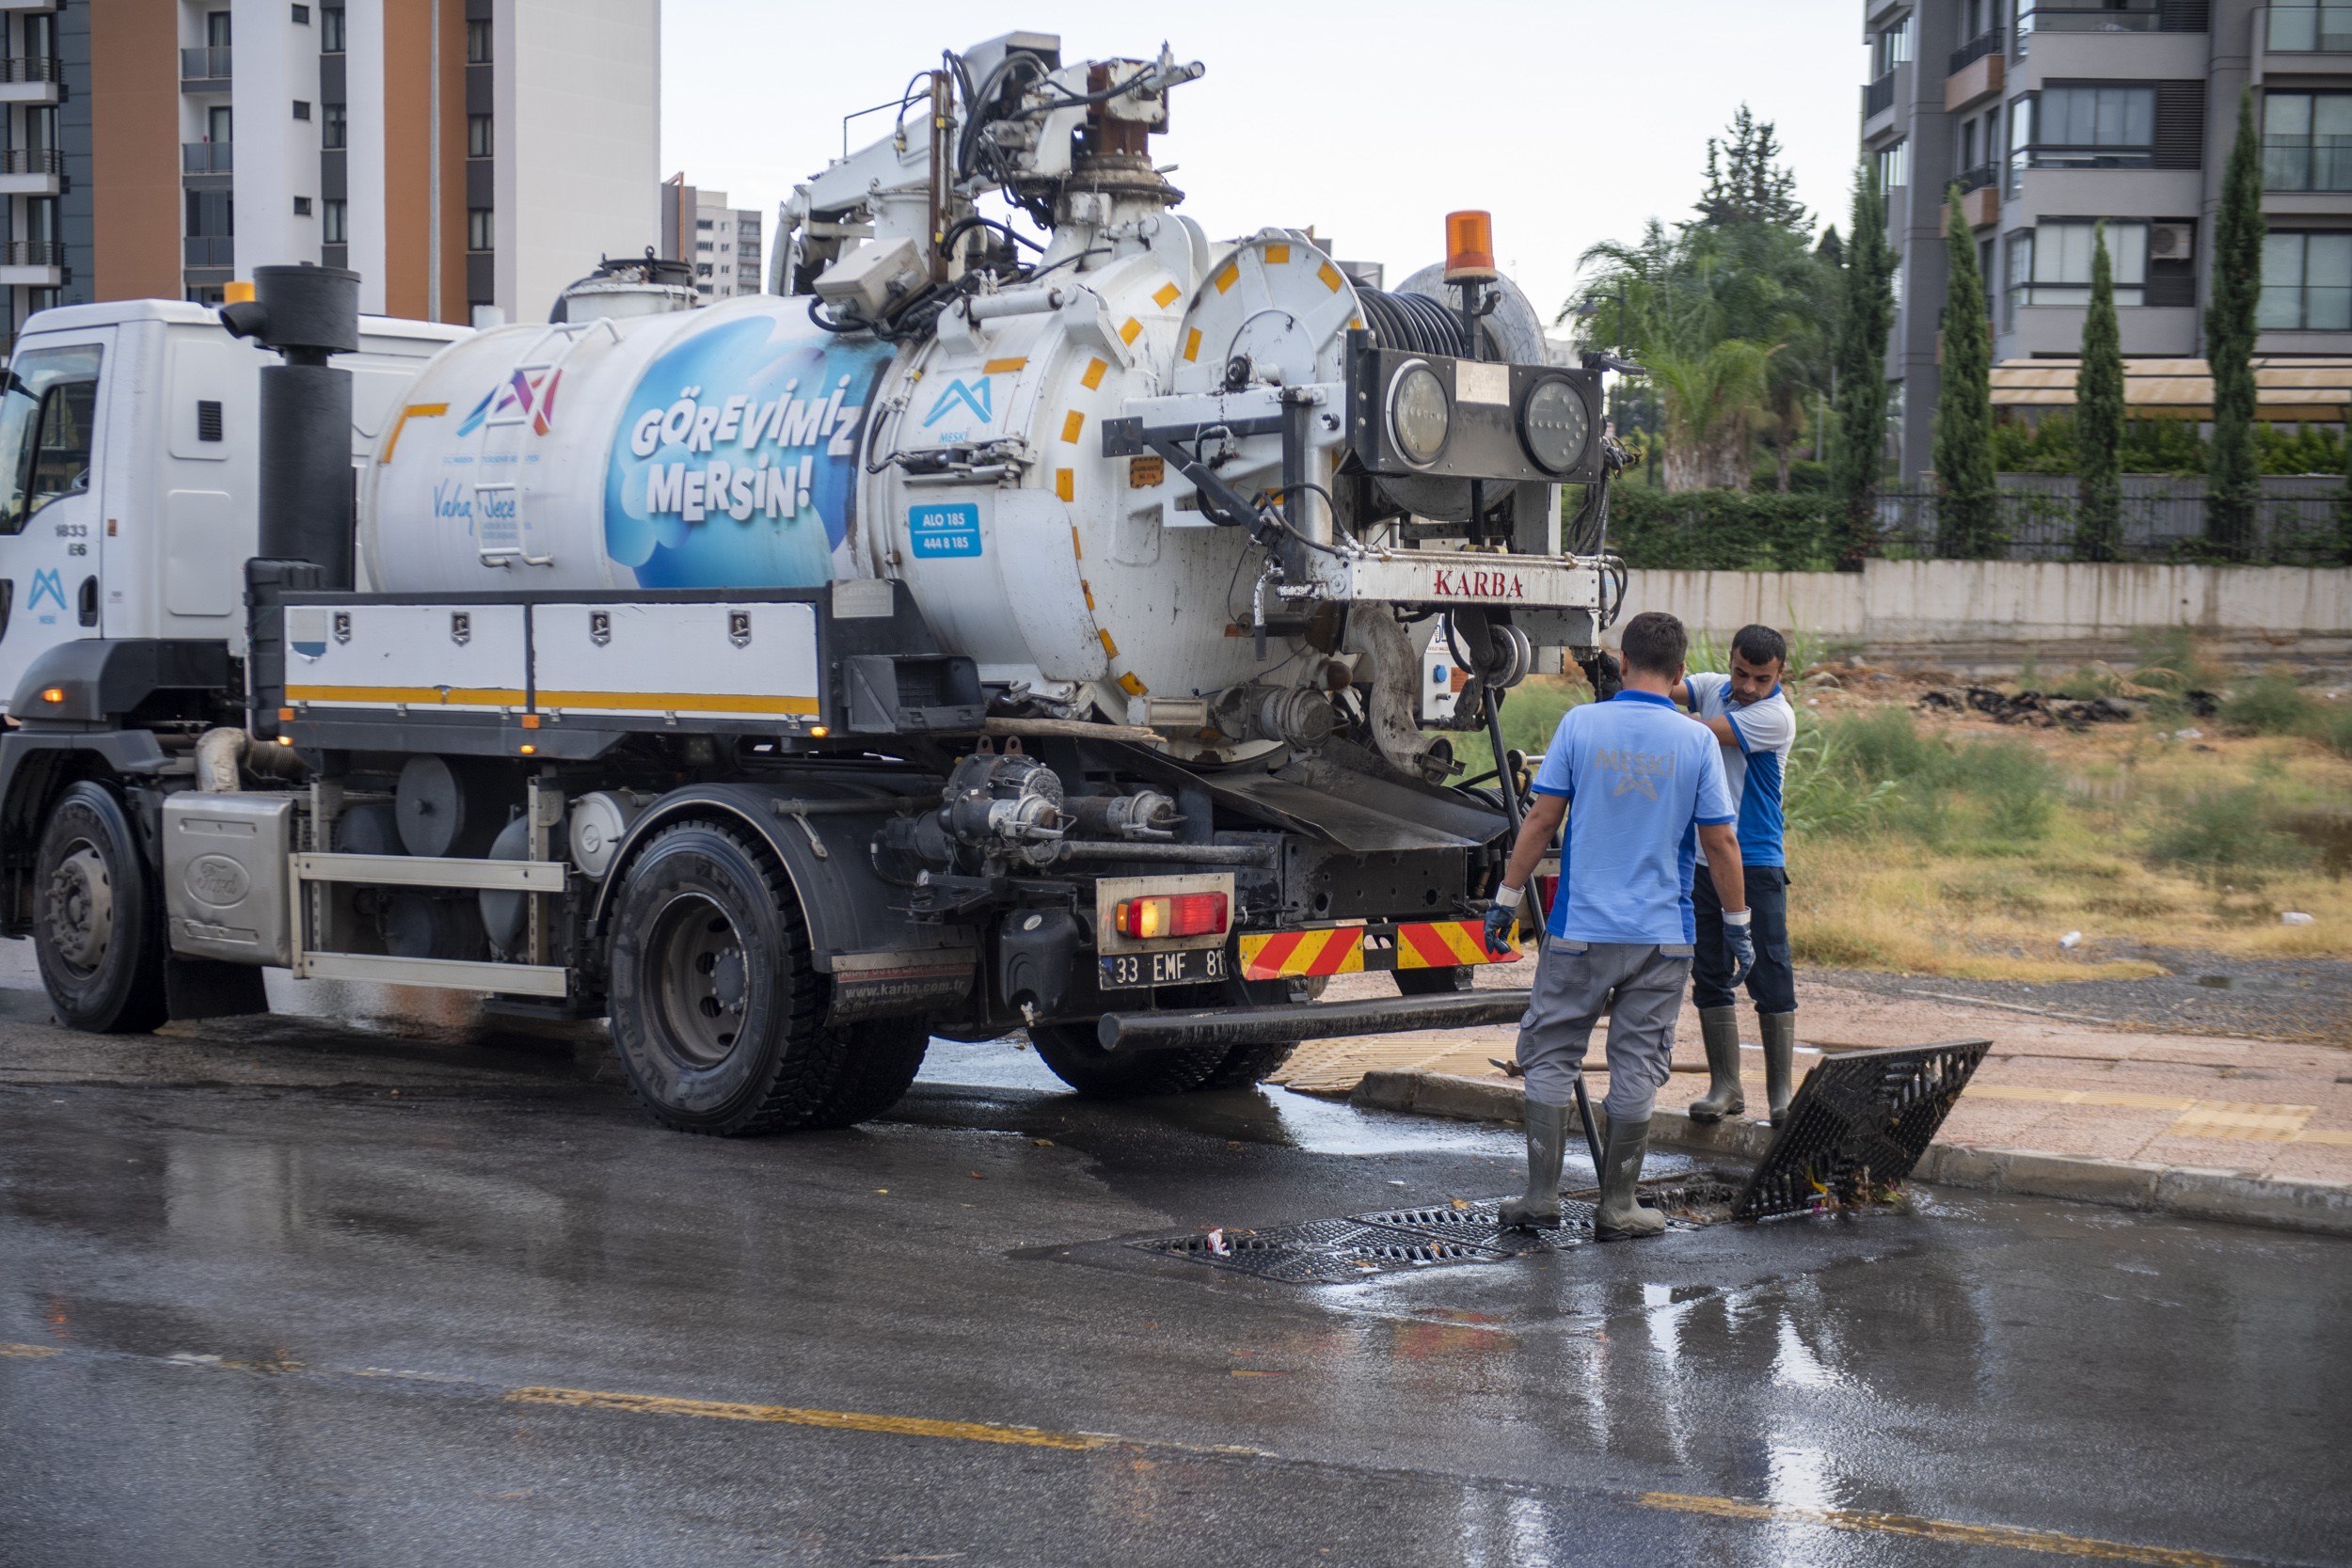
1866,316
2233,475
2099,418
1967,506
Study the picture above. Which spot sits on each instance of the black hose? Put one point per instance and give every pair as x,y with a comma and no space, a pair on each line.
1414,323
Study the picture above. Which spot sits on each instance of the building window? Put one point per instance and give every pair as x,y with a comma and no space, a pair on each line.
477,43
302,109
216,30
221,123
1893,165
2086,125
2051,264
1892,47
478,142
302,206
2307,141
2307,283
334,127
330,29
40,129
2311,26
302,16
335,222
480,228
702,269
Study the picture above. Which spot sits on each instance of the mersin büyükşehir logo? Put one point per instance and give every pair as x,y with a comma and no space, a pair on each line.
735,463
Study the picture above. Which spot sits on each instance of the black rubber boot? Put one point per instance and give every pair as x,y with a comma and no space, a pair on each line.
1780,1061
1621,1215
1547,1144
1719,1028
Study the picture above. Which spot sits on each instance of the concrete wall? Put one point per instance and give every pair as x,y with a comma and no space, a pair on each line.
1993,614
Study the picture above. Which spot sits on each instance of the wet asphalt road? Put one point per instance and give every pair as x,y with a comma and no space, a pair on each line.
291,1294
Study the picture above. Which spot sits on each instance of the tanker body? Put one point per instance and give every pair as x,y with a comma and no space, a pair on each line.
1001,625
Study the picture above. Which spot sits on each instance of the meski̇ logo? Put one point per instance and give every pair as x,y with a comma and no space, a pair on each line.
963,393
46,585
736,462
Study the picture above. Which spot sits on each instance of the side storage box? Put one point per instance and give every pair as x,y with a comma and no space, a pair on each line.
227,876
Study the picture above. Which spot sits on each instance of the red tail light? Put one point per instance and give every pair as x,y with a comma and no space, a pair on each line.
1177,914
1548,888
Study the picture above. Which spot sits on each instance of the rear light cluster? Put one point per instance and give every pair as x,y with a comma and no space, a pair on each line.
1175,914
1548,889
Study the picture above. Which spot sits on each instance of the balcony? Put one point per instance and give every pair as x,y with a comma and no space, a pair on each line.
209,250
2047,157
1978,76
2310,29
29,79
207,157
1991,42
2306,163
2139,16
32,171
1879,97
32,264
204,69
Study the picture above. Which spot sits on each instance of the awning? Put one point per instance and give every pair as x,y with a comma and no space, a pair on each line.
2317,390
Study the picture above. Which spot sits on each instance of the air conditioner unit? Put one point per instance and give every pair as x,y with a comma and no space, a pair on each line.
2172,242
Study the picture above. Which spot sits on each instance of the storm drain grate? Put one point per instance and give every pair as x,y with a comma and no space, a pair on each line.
1325,1252
1859,1123
1320,1252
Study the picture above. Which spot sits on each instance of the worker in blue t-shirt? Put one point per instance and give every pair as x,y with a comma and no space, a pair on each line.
1642,788
1752,719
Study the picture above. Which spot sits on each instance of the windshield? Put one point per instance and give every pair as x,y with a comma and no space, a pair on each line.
48,405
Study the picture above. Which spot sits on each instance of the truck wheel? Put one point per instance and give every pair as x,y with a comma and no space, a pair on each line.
96,929
1245,1065
717,1009
1080,1061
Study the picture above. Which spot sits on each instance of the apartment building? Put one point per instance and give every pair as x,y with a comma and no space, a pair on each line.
2053,116
722,242
467,157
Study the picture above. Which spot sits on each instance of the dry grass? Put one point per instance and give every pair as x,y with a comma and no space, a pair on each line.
2144,838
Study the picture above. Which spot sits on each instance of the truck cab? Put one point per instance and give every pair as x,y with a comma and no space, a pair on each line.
128,466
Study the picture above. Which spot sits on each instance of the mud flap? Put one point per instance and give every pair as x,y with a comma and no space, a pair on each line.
206,988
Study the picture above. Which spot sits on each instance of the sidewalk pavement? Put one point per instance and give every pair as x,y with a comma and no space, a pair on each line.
2127,1116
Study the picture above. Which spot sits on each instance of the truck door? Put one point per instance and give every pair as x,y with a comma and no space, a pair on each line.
50,520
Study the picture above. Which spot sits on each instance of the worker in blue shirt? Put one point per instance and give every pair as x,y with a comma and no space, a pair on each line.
1751,719
1641,787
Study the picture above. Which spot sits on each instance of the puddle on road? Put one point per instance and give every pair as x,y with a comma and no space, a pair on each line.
1267,1115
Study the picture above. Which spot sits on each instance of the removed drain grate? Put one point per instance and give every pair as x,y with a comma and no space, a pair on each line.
1859,1123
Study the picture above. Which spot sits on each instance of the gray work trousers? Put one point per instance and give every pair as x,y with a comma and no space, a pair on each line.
1638,985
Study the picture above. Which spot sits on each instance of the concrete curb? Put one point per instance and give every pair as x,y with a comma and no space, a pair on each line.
2324,1208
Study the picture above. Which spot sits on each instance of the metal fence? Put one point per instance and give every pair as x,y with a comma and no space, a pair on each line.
2289,531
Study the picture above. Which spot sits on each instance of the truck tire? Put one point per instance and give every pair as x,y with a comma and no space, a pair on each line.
1080,1061
1245,1065
98,931
718,1011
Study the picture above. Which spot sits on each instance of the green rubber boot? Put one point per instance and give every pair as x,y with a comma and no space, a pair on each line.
1780,1061
1546,1146
1719,1028
1621,1216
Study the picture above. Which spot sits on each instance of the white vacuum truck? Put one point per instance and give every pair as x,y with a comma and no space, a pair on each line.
991,629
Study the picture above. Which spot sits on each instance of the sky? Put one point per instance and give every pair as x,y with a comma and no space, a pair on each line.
1572,121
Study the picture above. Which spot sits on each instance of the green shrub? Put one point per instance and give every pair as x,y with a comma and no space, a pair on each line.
1723,530
1991,795
2223,830
2335,728
2269,704
2169,661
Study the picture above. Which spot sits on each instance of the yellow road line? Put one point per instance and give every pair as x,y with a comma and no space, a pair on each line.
2002,1536
1932,1530
856,1421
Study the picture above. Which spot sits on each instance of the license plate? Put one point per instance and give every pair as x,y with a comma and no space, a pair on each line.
1190,966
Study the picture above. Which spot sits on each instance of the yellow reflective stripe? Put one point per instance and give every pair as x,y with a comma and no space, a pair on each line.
437,696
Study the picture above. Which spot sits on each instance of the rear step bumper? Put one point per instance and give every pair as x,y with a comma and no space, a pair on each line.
1307,1021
